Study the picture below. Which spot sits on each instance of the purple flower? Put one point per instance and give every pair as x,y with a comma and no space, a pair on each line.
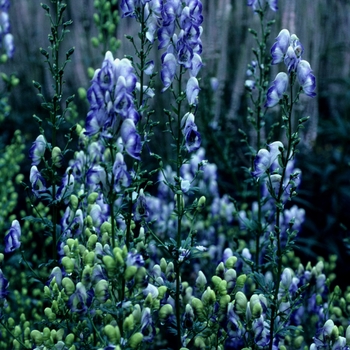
37,181
131,139
3,288
80,300
12,239
261,331
141,208
277,89
192,90
147,326
9,45
66,187
168,72
254,3
306,79
122,177
189,130
37,151
265,158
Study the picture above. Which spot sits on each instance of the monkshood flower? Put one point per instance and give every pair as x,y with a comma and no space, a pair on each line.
80,300
261,331
255,3
122,177
266,158
189,130
306,79
6,38
192,90
37,151
148,328
141,208
67,185
37,180
3,289
111,98
12,238
168,72
131,139
276,90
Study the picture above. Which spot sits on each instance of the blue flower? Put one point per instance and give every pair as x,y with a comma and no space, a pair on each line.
66,187
37,151
168,71
189,130
277,89
254,3
37,181
147,326
12,239
192,90
122,177
3,288
141,208
131,139
306,79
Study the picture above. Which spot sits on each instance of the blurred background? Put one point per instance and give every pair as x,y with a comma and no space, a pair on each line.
323,28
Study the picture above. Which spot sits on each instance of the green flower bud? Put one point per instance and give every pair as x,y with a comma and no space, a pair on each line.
256,310
68,264
161,292
199,342
347,335
89,259
54,306
164,312
163,265
92,198
222,288
57,157
337,311
106,227
220,269
37,337
130,272
82,93
110,265
208,297
128,324
68,286
216,281
111,334
69,339
92,242
241,281
1,258
74,201
137,313
17,331
140,276
47,292
201,203
240,303
49,314
101,290
224,301
230,262
46,334
201,281
135,340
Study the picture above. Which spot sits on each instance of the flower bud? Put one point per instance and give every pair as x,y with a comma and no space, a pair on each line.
137,313
112,334
49,314
220,269
37,337
68,286
163,265
68,264
130,272
128,324
161,292
57,157
201,281
328,327
101,290
241,281
164,312
240,303
224,300
222,288
89,259
69,339
135,340
47,292
198,308
347,335
106,227
201,203
74,201
92,197
110,265
230,262
208,297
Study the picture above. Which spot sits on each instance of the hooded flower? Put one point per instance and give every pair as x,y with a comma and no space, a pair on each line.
37,181
131,139
277,89
12,239
189,130
306,79
37,151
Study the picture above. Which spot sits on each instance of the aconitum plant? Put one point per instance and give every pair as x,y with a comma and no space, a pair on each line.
122,248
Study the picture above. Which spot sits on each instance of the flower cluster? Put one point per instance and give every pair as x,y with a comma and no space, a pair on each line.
6,38
182,49
112,106
255,3
289,50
